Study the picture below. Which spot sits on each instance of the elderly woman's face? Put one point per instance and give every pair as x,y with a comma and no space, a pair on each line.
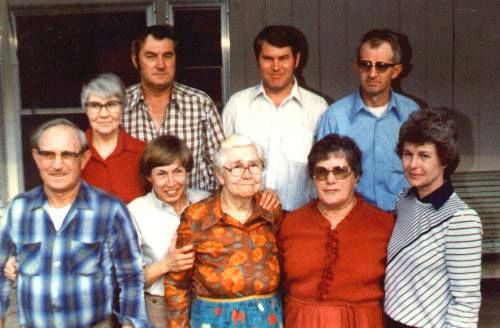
104,114
422,167
169,182
241,175
334,181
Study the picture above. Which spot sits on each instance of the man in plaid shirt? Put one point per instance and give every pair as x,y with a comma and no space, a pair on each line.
73,243
158,105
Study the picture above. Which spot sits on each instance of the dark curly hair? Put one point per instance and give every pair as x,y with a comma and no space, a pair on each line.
436,126
159,32
333,144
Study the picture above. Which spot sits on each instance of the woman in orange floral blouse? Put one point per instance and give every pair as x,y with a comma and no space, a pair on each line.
236,271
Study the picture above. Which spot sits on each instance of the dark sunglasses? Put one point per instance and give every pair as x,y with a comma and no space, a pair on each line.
380,67
340,172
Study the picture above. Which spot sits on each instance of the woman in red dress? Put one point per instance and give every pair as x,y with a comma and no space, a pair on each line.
333,250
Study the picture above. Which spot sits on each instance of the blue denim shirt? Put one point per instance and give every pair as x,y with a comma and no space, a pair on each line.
377,137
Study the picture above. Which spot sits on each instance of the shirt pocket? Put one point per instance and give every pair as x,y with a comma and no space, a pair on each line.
29,259
85,257
297,143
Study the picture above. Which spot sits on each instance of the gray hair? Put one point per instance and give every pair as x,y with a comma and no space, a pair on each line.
35,137
231,142
105,85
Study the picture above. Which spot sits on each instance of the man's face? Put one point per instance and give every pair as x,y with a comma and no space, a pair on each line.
277,66
374,82
59,160
156,63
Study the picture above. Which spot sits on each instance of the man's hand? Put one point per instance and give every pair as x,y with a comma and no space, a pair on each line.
10,269
269,199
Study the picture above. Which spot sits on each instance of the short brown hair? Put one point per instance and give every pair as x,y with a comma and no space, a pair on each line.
376,37
279,36
163,151
434,126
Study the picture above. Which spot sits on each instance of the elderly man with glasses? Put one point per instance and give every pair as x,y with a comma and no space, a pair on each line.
372,117
74,244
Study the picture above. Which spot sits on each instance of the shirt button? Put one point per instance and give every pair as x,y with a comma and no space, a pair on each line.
57,264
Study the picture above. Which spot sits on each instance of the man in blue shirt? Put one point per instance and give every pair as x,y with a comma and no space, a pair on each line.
74,244
372,117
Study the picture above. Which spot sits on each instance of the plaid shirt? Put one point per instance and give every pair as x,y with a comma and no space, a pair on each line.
66,278
192,116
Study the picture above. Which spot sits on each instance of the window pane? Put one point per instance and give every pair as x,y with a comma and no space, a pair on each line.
199,52
58,53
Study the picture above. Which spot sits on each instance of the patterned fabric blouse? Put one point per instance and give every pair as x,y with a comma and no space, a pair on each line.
232,259
191,116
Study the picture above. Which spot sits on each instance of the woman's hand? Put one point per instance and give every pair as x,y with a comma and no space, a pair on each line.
178,259
269,199
10,269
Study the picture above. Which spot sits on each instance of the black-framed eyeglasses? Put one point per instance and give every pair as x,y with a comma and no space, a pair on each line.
380,67
112,106
66,156
239,169
340,172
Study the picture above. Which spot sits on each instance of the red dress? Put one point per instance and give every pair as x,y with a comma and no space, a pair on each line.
119,172
334,278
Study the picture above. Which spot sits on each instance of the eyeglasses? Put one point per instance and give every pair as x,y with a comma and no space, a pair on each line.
380,67
340,172
66,156
239,169
112,106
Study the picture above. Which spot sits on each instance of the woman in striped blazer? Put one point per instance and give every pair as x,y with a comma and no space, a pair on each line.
434,255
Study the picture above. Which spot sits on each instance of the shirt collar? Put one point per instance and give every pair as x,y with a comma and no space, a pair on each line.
438,197
215,213
120,144
138,95
259,91
134,94
360,105
82,200
176,93
158,203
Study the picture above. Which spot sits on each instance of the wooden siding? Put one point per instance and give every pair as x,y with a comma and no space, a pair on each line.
454,55
481,191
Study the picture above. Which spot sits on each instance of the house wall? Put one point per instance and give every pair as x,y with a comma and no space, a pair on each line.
454,55
454,60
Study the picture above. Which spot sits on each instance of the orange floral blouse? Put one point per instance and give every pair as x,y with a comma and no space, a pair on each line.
232,259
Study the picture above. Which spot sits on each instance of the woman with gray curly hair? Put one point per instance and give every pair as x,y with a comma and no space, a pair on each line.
235,276
434,256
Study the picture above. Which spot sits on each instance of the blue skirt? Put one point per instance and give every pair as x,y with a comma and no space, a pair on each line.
260,311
